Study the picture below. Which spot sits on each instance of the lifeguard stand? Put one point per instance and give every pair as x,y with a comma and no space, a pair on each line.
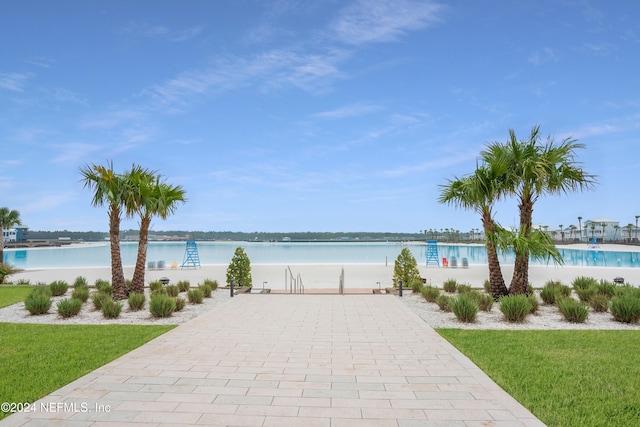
432,252
594,244
191,257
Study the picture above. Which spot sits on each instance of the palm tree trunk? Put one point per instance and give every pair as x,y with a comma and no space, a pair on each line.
1,245
520,279
497,286
117,273
137,283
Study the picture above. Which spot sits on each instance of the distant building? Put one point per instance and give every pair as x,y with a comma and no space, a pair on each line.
602,229
17,234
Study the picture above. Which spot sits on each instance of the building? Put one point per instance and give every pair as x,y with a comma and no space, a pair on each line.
602,229
17,234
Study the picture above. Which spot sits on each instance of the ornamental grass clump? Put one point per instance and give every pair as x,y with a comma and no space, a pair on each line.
465,308
583,282
162,305
574,311
98,298
463,288
430,293
80,293
184,285
553,290
58,288
110,308
155,285
515,308
181,303
599,303
607,288
535,304
195,296
80,281
103,286
485,302
625,308
69,307
172,290
450,285
38,302
206,290
212,283
444,302
136,301
585,294
487,286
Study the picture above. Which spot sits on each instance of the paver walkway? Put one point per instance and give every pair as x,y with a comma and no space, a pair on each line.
288,360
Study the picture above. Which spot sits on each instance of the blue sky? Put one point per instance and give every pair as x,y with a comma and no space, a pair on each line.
312,115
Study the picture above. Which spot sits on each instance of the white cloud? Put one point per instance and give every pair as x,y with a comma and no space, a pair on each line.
348,111
74,153
543,56
14,81
367,21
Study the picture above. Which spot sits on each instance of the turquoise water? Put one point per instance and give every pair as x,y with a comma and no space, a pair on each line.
93,255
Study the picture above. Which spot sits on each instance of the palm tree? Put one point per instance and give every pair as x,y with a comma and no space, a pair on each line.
535,170
593,229
479,192
637,216
108,189
8,218
616,228
149,196
603,225
580,225
561,233
629,227
572,229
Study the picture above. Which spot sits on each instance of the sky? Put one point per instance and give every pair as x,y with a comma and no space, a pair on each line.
296,115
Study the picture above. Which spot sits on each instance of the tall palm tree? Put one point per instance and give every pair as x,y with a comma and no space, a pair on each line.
108,189
580,226
150,196
572,229
536,170
637,216
616,228
8,218
561,233
603,225
479,192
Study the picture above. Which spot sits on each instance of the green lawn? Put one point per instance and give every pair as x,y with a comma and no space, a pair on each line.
565,378
38,359
10,294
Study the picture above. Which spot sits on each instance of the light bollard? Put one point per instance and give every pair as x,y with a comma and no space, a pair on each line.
231,288
399,288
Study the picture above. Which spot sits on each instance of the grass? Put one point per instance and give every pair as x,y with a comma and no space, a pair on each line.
39,359
10,294
565,378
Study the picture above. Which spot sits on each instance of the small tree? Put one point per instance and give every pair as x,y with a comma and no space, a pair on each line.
239,269
406,269
8,218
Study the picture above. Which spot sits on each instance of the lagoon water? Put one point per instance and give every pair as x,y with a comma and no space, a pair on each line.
98,254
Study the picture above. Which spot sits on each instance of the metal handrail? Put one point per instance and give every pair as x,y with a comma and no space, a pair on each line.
292,284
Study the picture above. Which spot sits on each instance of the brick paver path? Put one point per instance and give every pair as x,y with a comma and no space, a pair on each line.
288,360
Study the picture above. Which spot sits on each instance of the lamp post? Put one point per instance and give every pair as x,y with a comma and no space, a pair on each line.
580,225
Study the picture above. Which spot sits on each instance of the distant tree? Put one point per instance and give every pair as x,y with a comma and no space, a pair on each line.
406,269
8,219
239,269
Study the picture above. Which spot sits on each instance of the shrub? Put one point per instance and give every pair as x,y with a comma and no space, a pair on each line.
58,288
80,281
41,290
533,300
80,293
181,303
548,295
160,291
212,283
98,298
206,290
487,286
553,290
110,308
572,310
599,303
583,282
465,308
172,290
69,307
444,302
184,285
7,270
405,268
162,305
463,288
103,286
155,285
625,308
585,294
239,269
38,303
195,296
607,288
430,293
450,285
136,301
23,282
515,307
485,302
